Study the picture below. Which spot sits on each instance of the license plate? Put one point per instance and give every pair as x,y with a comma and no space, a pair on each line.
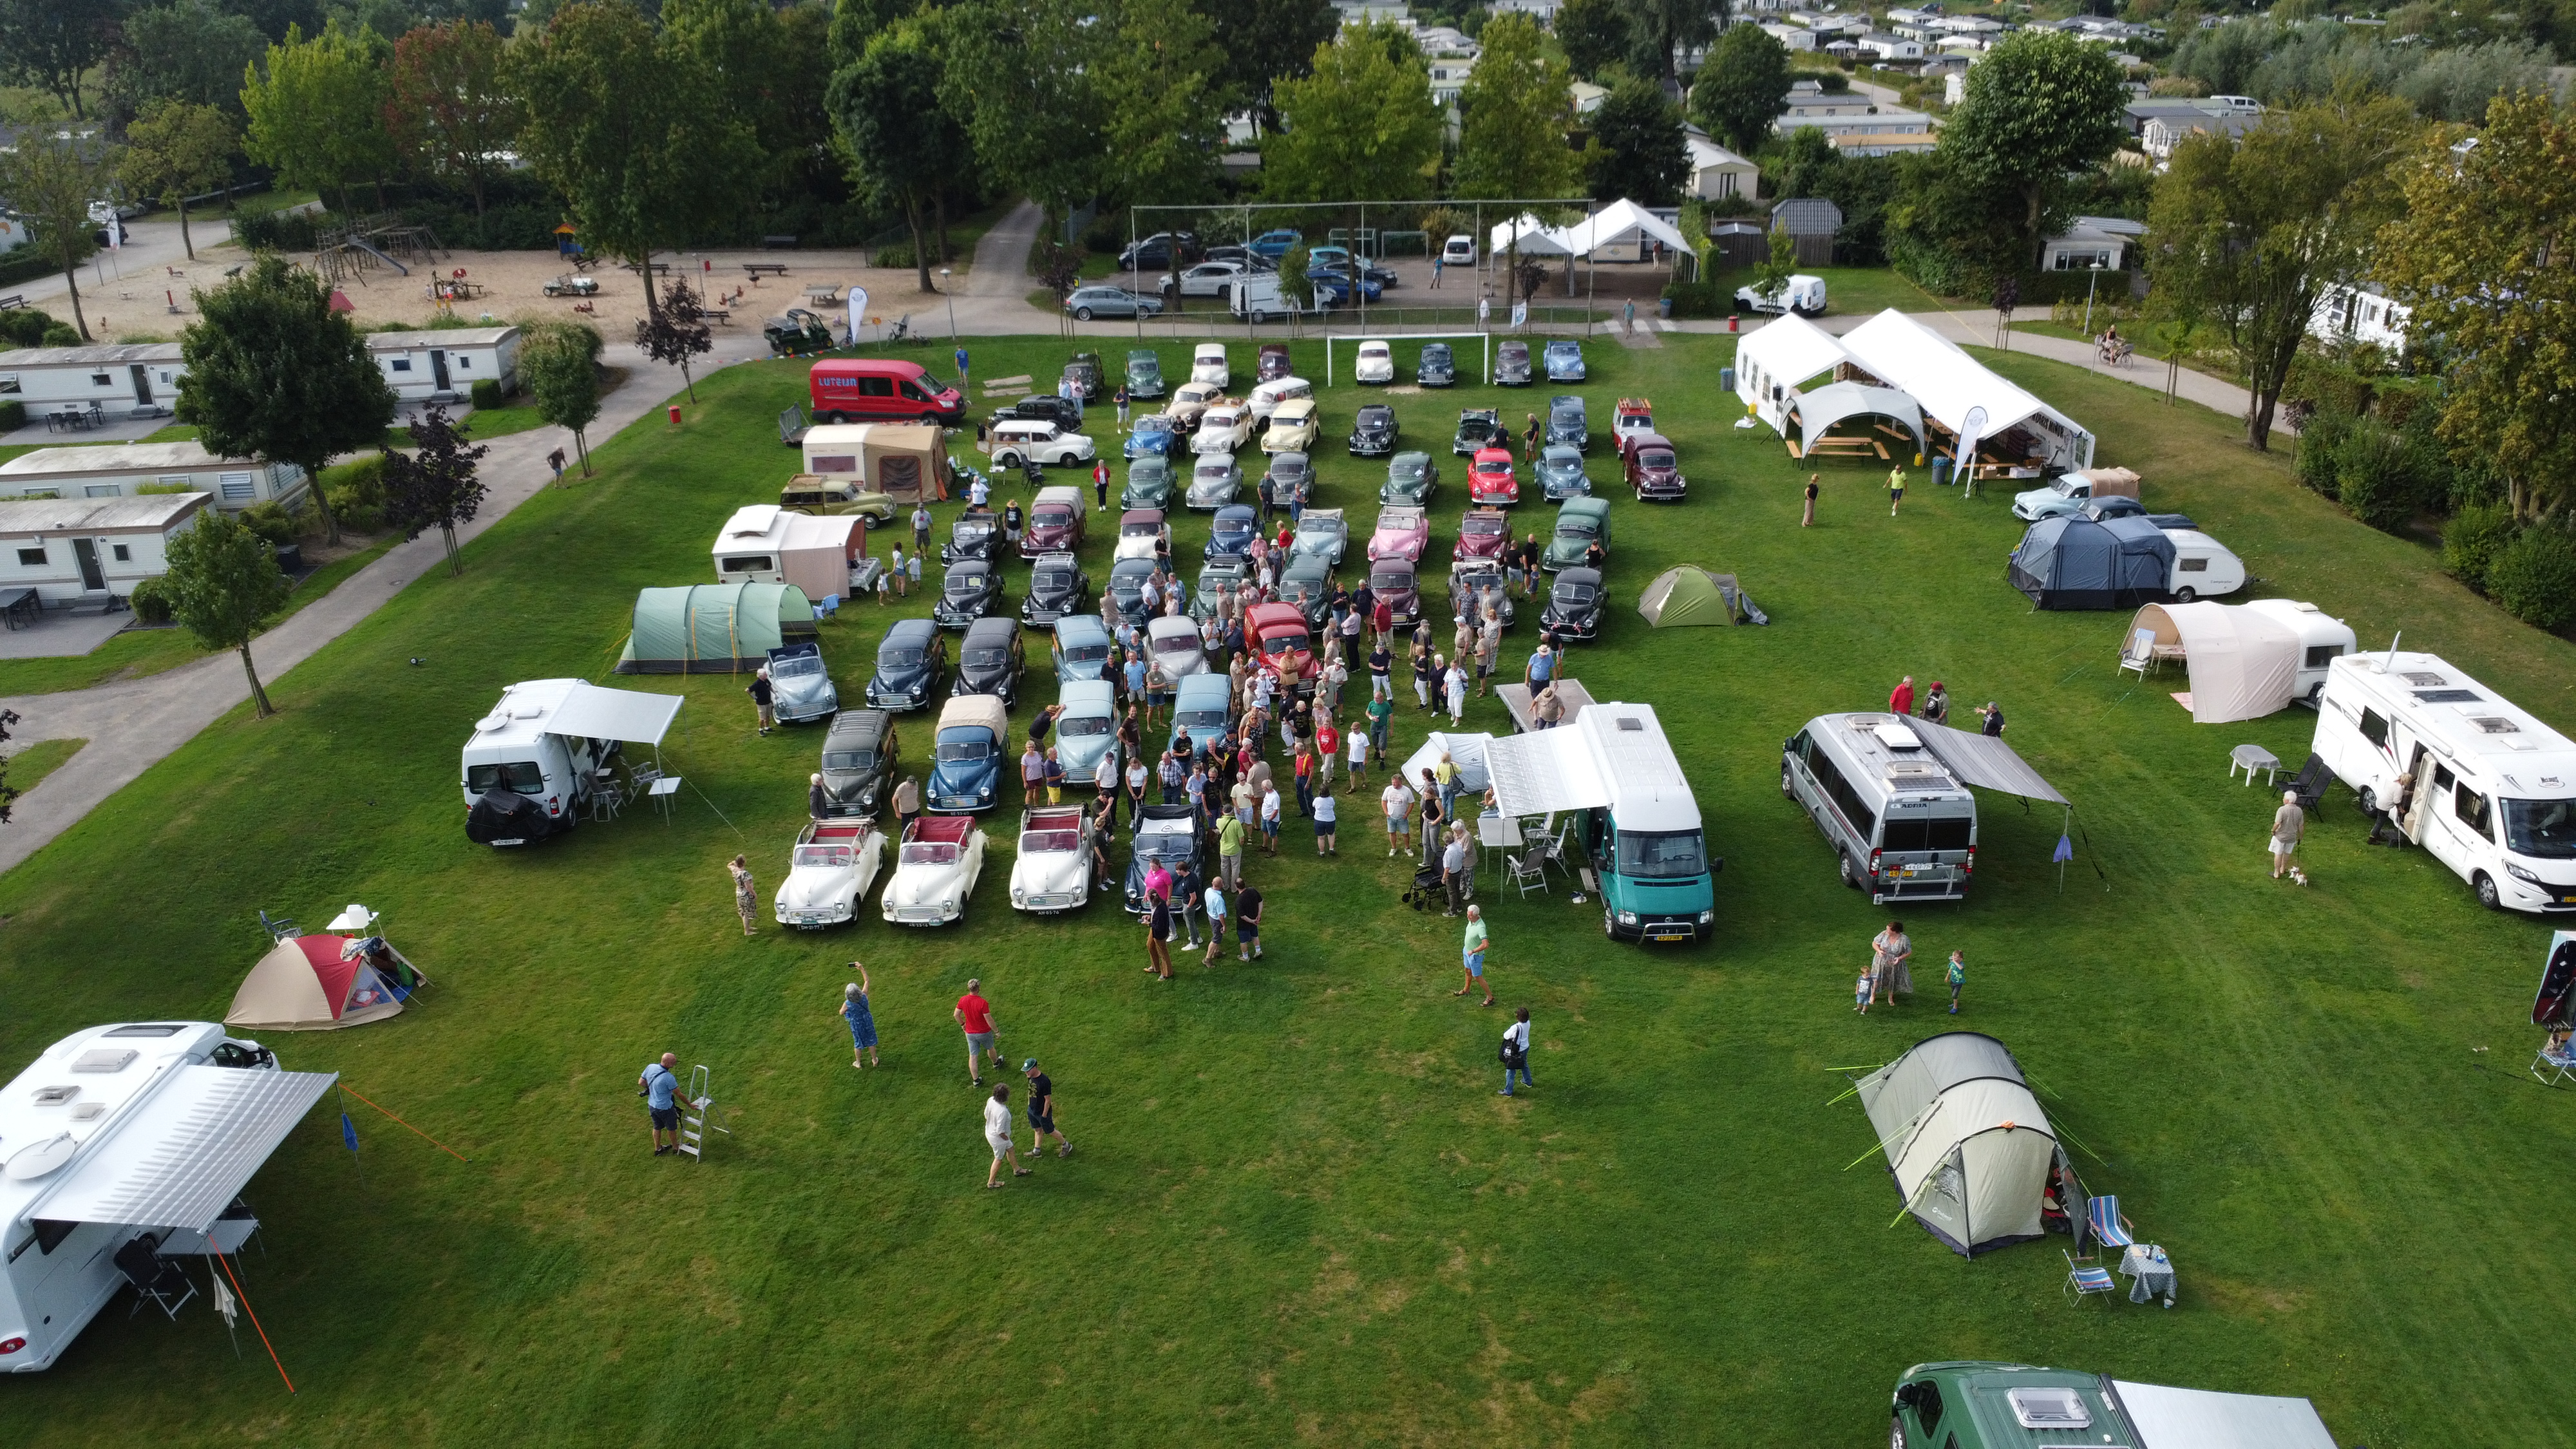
1668,935
1911,871
509,842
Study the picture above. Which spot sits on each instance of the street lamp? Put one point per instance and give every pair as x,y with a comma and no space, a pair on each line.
944,274
2089,284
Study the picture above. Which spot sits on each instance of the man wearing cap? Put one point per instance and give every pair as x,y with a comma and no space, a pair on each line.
1042,1111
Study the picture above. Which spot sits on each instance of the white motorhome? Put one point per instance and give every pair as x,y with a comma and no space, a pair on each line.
535,762
123,1147
2494,790
1905,830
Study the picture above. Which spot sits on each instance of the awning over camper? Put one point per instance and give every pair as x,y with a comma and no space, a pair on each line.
1985,762
2206,1420
1965,1140
616,714
1950,386
187,1151
1545,772
2244,663
1820,410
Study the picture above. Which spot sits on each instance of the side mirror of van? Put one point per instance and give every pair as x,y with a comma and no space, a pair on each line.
1716,863
1788,744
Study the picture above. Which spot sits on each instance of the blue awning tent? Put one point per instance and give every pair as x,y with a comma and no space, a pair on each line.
2075,563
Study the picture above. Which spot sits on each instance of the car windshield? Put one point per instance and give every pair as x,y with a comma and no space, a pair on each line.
1139,530
1087,653
1661,855
930,852
1577,527
966,586
1391,583
1207,473
1276,645
1654,458
1482,527
830,857
1083,728
1572,593
525,776
1161,846
848,759
965,749
795,668
1497,467
1177,644
972,528
1050,516
1407,471
2541,829
1050,579
1203,719
1044,842
898,658
990,657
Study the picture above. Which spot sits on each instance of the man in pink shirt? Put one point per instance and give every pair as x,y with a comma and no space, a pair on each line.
1900,700
975,1014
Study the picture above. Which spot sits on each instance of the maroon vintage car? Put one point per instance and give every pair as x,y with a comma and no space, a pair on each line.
1482,533
1055,525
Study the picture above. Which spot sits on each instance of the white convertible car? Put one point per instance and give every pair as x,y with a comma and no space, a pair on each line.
1053,872
934,871
834,864
1222,429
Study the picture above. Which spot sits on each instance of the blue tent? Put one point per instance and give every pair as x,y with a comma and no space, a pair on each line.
2075,563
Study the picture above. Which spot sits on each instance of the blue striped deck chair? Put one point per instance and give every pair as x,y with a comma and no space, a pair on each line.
2103,1223
2083,1279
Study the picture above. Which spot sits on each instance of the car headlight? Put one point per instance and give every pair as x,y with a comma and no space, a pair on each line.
2518,873
1707,917
1627,918
986,792
1018,895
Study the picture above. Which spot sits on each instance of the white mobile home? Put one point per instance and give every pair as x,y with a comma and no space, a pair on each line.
2360,314
137,380
125,469
444,364
70,549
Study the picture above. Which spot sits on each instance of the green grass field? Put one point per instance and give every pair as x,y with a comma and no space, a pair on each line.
36,761
1299,1211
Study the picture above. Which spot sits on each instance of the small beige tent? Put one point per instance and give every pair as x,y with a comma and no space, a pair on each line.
2245,660
1967,1143
322,983
767,544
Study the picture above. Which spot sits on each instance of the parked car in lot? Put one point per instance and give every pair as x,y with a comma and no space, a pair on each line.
1306,584
1338,259
1014,443
1403,531
1207,279
1191,401
1222,429
1246,255
910,660
1373,431
1055,522
1277,243
1086,728
1215,478
975,533
1292,427
1082,647
1580,524
1322,533
1483,533
1057,587
1225,574
1153,435
1208,364
1127,584
1492,479
1172,640
1564,360
829,873
1149,484
1270,363
971,591
967,768
1393,580
1512,364
1560,473
1158,250
1802,294
1142,533
1410,478
1478,428
1376,363
1655,470
1088,302
1167,835
935,870
836,495
800,688
1283,645
1437,366
1574,605
1568,422
2114,506
1041,407
1479,584
1458,251
1633,418
859,754
1292,480
1336,286
1202,714
1267,396
1052,871
1085,378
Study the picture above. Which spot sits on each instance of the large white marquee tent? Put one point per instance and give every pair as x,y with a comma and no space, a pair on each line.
1959,392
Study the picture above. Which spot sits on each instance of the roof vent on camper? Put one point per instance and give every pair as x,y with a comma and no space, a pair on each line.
2448,696
1915,775
55,1096
104,1060
2426,681
1631,722
1897,737
497,719
2048,1409
145,1029
2493,725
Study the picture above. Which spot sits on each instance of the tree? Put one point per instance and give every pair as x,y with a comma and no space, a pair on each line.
1361,124
879,103
1020,78
856,22
1512,140
676,333
2040,105
175,149
222,584
2481,257
52,44
435,485
1058,268
1771,274
633,130
1263,42
317,113
559,363
275,374
189,51
1636,149
1162,104
1737,95
1665,28
52,179
1595,35
1295,288
768,70
445,105
2251,235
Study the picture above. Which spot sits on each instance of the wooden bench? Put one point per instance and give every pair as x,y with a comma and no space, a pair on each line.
716,314
13,302
755,270
778,244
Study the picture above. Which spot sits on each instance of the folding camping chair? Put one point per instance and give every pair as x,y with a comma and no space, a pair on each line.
2103,1223
2553,1070
2082,1279
1527,870
2313,778
278,927
154,1277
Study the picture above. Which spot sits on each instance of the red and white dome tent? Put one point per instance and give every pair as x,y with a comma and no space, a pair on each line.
322,983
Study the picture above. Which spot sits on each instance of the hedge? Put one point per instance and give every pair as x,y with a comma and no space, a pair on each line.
2534,577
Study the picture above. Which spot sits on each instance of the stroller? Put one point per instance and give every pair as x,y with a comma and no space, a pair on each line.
1426,892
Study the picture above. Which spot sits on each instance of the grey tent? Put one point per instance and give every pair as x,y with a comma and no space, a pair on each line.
713,628
2075,563
1694,596
1966,1142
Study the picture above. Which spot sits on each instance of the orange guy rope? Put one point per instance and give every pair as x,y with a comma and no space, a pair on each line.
423,1136
254,1321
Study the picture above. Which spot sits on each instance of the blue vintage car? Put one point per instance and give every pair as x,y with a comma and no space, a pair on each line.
1153,436
1082,647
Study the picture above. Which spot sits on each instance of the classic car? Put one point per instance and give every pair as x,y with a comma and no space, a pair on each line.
1655,470
859,754
1231,532
1086,728
1086,378
1492,478
1041,407
1215,479
1410,478
1145,373
910,660
975,533
1126,586
1569,421
1478,428
934,870
1222,429
1292,480
1141,534
966,765
990,660
1482,533
1190,402
1307,583
1394,582
1055,522
2115,506
836,495
1580,524
1437,367
1202,711
1152,436
1560,473
1564,361
1222,576
1168,834
1269,398
829,872
1057,587
800,688
1173,642
1082,648
1376,363
1149,484
1271,362
1321,533
1373,431
1089,302
572,284
1015,443
1512,365
971,591
1052,871
1208,365
1634,417
1478,584
1282,642
1403,531
1574,605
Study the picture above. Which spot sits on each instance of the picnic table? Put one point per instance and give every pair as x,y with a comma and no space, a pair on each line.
20,608
2250,758
1516,699
824,292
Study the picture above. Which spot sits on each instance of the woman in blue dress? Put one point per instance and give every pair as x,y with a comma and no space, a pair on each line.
863,1025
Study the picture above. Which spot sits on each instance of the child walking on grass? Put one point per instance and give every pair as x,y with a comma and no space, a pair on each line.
1860,994
1958,975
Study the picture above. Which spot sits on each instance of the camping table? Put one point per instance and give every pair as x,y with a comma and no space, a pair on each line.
661,794
1500,835
2151,1273
823,292
2250,758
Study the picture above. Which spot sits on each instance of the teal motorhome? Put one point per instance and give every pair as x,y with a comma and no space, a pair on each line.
1611,768
1977,1405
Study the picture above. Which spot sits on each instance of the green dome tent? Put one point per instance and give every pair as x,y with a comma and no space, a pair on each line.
713,628
1688,596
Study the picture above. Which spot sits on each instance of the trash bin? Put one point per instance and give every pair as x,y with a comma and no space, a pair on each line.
1940,472
1726,379
1664,308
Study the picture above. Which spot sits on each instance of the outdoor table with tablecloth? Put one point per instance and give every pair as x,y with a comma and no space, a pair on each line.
2151,1273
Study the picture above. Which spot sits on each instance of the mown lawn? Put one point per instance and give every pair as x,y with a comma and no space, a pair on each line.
1298,1211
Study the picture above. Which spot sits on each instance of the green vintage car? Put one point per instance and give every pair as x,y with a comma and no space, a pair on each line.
1144,374
1411,479
1149,484
1581,523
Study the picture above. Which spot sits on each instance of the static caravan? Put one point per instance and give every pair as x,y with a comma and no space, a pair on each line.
70,549
2492,792
1903,827
766,544
138,380
444,364
121,470
126,1147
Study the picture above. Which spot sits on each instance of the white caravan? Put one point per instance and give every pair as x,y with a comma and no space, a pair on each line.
123,1148
2494,791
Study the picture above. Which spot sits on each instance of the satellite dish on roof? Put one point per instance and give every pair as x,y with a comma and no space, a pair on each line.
36,1159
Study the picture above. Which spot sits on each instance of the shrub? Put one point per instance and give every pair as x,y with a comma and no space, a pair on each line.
280,231
13,415
25,326
151,601
2534,577
2321,440
485,393
2472,539
895,254
357,493
2373,478
62,334
272,522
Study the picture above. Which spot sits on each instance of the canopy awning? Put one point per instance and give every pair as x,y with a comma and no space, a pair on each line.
1820,410
1545,772
2208,1420
1616,223
1531,237
1985,761
616,714
1465,751
188,1151
1958,391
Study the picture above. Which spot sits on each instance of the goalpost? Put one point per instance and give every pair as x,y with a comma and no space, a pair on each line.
1356,338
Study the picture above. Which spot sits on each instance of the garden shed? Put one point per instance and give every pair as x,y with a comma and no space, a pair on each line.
713,628
1811,222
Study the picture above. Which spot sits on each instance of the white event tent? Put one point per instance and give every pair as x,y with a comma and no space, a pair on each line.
1775,358
1958,391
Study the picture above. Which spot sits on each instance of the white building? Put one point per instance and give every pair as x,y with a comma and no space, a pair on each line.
1886,121
140,380
2164,133
1449,77
1806,98
120,470
1887,46
2360,313
1716,172
444,364
70,549
1793,37
13,233
1886,143
2089,242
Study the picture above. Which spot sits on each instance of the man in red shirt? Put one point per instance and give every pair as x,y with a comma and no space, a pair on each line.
1328,745
1900,700
1383,618
975,1015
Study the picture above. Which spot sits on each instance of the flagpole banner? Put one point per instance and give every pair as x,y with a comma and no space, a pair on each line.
858,309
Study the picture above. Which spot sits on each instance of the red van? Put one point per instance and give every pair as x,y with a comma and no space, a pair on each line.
882,390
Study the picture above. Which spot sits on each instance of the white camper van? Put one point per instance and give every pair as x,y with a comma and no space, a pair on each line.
122,1148
533,764
1904,828
1258,298
2494,790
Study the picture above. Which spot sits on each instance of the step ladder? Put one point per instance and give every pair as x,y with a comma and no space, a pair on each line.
693,1114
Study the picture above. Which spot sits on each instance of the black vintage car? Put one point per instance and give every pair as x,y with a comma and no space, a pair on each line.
975,534
991,660
1057,587
1438,367
910,661
1373,431
1479,428
1127,584
1307,583
858,761
1512,365
1043,407
972,591
1230,533
1568,423
1091,380
1170,834
1292,479
1574,605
